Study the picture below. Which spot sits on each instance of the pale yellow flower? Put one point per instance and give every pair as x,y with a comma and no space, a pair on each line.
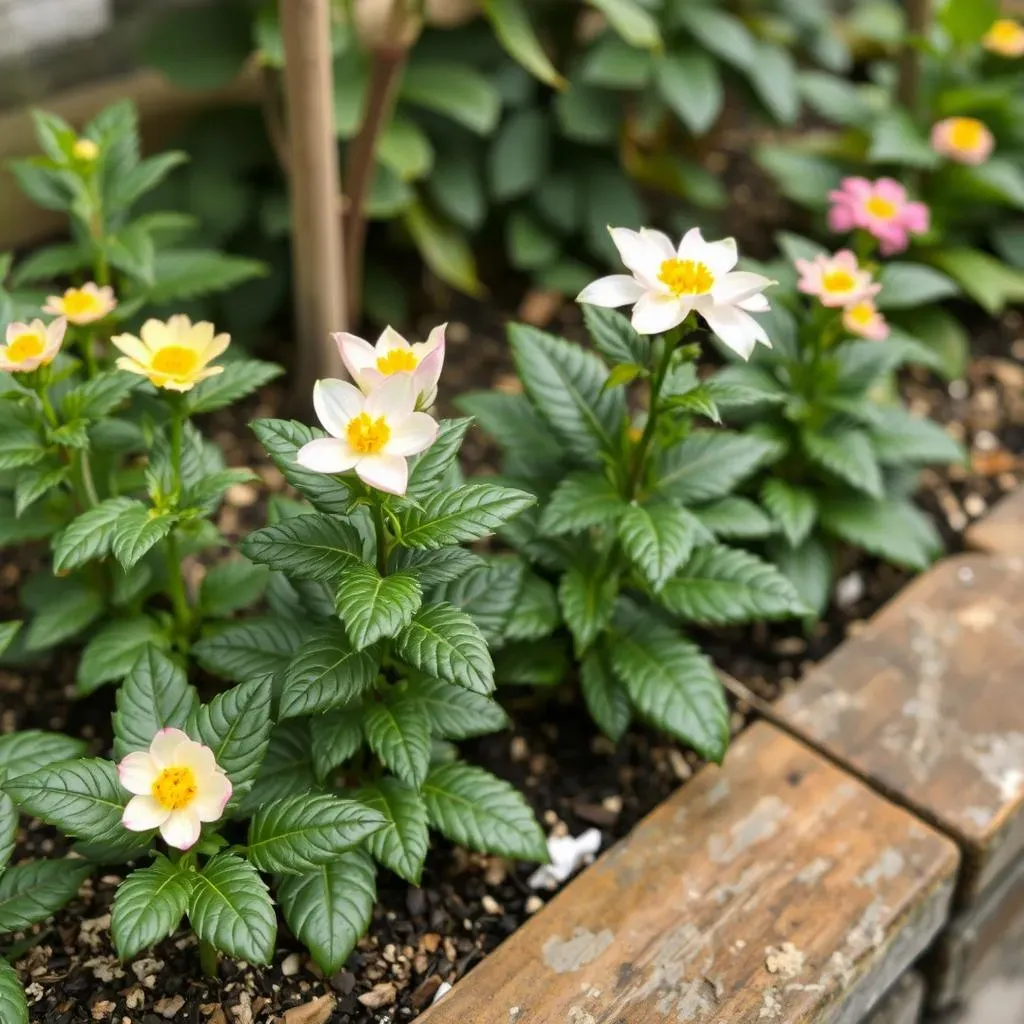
85,150
83,305
29,346
174,355
1005,37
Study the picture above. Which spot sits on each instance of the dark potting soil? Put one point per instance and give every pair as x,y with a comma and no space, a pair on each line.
574,778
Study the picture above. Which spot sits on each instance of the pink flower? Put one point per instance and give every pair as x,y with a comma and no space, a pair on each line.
836,280
879,207
963,139
864,320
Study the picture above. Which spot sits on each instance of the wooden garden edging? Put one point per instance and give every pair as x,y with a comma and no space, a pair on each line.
801,880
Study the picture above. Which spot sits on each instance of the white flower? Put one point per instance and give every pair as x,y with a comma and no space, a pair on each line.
373,434
26,347
370,365
177,785
567,855
667,284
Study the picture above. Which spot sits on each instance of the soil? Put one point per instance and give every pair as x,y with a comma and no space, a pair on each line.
574,778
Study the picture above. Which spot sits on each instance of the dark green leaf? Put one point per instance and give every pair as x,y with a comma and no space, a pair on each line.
464,514
374,606
689,82
606,699
894,530
231,909
31,892
445,643
148,907
794,508
111,653
258,648
326,672
309,547
398,732
847,454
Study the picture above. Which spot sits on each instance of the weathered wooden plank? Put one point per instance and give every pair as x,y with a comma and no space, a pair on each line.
925,703
776,888
1001,531
902,1004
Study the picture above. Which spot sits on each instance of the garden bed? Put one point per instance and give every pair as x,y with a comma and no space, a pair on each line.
469,904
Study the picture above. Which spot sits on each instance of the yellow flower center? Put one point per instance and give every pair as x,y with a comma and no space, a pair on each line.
25,346
838,281
398,360
85,149
966,133
175,360
881,208
175,788
1005,36
686,277
367,436
861,314
78,301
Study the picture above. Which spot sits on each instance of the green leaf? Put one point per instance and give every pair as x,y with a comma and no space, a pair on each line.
398,732
330,908
835,98
198,47
536,613
542,663
474,809
20,446
240,377
847,454
13,1004
519,155
230,586
721,586
82,797
894,530
456,713
8,829
809,568
432,568
257,648
287,768
896,139
148,907
511,23
721,33
374,606
98,397
988,281
606,700
794,508
517,428
464,514
967,21
309,547
613,64
530,245
326,672
746,387
88,536
131,251
189,273
446,643
456,188
236,725
111,653
773,77
430,468
144,177
489,593
670,682
232,910
631,21
405,148
137,530
710,463
906,285
454,90
657,539
34,482
27,750
30,893
689,82
1001,180
401,846
282,440
901,437
337,735
77,606
8,631
582,501
734,518
567,385
587,599
614,337
155,695
804,178
298,834
444,249
945,336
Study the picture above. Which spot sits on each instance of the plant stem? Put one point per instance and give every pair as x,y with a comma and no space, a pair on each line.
209,959
87,354
88,483
650,427
382,536
175,581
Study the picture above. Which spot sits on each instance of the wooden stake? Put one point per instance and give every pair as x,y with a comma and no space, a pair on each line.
314,184
919,23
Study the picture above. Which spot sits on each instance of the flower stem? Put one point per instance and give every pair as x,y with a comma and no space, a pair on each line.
209,959
88,355
85,469
175,580
650,427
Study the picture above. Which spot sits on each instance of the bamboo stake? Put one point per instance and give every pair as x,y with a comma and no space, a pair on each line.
919,23
314,184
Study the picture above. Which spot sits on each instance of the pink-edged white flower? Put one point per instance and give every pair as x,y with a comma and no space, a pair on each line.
881,208
373,434
668,283
836,280
864,320
83,305
29,346
963,139
370,365
177,785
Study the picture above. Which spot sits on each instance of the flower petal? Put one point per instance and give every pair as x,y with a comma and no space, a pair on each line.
720,257
737,329
614,290
336,403
213,797
155,334
388,473
143,813
137,772
131,346
181,829
661,240
215,347
755,304
327,455
692,245
655,314
426,376
412,435
641,255
738,285
164,747
390,340
394,399
357,355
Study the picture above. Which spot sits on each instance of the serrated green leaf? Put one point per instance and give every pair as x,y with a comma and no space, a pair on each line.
231,909
581,501
20,446
188,273
810,569
89,536
465,514
710,463
847,454
138,529
33,482
374,606
312,547
587,599
488,593
456,713
433,568
148,907
605,696
398,732
282,440
253,649
473,808
688,80
8,829
735,518
296,835
446,643
326,672
77,607
401,846
8,631
535,614
230,586
239,378
287,768
511,23
894,530
657,539
24,751
13,1004
794,508
428,469
336,736
330,908
30,893
98,397
901,437
111,653
537,663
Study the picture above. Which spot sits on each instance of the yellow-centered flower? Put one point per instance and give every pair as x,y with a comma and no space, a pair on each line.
83,305
29,346
1005,37
85,150
174,355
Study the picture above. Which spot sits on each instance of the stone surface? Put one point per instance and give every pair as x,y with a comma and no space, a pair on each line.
776,888
902,1004
926,704
1002,530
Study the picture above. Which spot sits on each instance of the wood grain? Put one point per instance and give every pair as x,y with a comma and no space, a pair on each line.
776,888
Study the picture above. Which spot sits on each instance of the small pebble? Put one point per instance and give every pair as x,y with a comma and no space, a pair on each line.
533,904
291,964
491,905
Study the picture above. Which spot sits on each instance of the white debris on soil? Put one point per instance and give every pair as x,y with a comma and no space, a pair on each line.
849,590
442,990
568,854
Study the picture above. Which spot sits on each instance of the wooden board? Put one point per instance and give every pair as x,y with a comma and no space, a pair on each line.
1001,532
903,1003
927,703
774,889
